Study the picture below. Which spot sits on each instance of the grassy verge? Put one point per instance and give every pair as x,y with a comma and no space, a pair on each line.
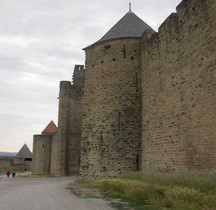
161,191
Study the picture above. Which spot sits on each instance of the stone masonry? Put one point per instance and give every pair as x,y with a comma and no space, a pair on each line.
144,101
111,109
41,154
179,90
43,150
69,124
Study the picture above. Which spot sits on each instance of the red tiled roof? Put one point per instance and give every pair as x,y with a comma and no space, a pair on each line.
50,129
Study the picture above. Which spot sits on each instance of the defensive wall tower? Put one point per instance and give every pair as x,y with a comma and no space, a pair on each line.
42,149
111,102
69,124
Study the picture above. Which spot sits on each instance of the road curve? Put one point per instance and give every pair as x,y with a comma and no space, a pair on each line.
44,194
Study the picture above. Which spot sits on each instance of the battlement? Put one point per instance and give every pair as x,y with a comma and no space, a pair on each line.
190,14
78,76
78,67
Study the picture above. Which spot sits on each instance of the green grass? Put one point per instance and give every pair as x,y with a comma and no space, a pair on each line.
186,191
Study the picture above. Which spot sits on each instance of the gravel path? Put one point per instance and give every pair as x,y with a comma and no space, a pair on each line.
44,194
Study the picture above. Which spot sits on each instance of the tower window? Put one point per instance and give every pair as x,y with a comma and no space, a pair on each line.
124,51
137,161
107,50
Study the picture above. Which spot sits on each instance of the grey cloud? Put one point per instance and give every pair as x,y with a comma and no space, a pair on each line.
40,42
10,63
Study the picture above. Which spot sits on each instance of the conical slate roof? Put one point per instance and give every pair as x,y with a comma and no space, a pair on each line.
24,152
129,26
50,129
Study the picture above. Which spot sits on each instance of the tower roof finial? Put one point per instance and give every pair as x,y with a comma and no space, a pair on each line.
130,7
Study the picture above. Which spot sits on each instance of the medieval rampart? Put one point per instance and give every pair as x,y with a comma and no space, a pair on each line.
154,96
179,90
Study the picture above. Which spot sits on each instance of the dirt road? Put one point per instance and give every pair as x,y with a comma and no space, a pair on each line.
44,194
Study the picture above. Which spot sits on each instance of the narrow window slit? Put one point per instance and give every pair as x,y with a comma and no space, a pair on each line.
101,137
137,162
107,50
119,121
137,82
124,51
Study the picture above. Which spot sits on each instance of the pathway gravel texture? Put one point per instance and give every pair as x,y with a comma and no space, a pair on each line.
44,194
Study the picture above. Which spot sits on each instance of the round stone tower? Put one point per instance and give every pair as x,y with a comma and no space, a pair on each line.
111,130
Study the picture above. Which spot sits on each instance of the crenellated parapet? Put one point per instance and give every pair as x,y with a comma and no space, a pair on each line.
192,16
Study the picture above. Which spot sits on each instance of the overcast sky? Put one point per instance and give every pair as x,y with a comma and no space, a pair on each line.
40,42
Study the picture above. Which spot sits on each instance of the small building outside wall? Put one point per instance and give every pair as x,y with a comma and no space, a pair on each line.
23,160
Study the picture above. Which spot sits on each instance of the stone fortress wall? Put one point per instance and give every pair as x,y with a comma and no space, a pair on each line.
179,90
145,103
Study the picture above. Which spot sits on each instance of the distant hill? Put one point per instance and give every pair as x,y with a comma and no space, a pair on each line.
8,154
